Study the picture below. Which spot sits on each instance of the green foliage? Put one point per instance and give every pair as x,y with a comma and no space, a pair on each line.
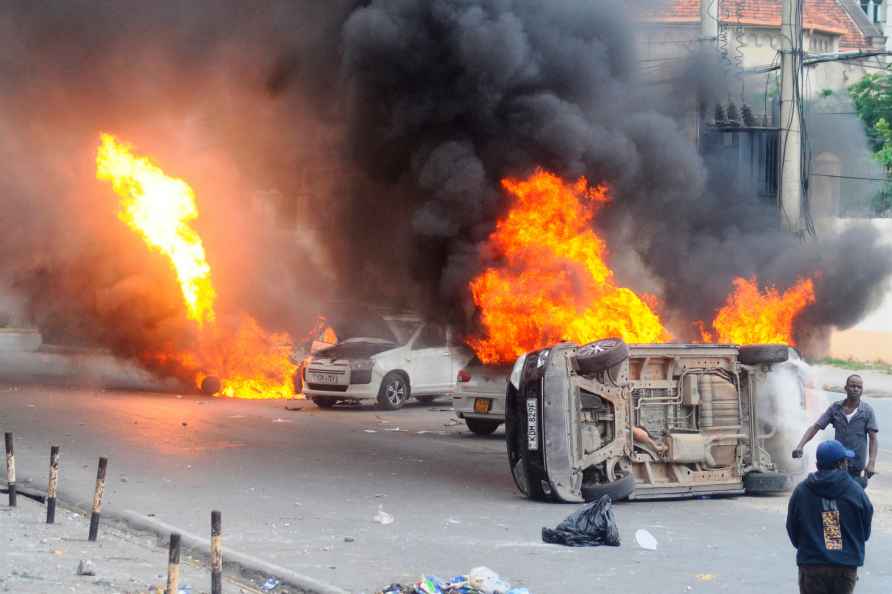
872,96
826,92
854,365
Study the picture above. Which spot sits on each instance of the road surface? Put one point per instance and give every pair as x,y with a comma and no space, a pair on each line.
299,487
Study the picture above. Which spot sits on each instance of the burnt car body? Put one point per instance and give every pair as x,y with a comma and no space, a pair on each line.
642,421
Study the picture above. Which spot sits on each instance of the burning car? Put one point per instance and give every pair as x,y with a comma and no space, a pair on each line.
414,359
642,421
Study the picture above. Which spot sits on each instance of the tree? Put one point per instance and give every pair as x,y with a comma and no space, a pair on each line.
872,96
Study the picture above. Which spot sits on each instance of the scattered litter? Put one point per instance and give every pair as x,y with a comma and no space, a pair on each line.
425,432
32,406
487,581
369,430
184,589
645,540
382,517
279,420
184,424
349,539
123,479
270,584
480,580
392,429
453,521
236,416
58,552
179,396
294,408
705,577
592,525
85,567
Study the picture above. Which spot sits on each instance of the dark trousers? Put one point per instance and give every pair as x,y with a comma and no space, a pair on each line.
858,475
827,579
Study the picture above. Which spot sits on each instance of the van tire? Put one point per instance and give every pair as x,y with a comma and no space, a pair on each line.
763,354
618,490
600,355
765,483
482,426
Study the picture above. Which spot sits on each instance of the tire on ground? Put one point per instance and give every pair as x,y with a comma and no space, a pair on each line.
618,490
763,354
482,426
600,355
765,483
324,401
394,391
211,385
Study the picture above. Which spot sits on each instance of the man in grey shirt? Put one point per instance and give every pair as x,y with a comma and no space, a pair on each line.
856,428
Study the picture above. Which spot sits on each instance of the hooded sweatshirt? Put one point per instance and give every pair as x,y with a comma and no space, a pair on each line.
828,519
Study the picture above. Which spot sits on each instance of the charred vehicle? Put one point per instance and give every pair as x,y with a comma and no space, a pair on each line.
643,421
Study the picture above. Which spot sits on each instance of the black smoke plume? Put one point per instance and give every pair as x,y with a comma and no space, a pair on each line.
354,150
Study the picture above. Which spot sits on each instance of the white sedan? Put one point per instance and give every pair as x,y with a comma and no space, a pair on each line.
421,362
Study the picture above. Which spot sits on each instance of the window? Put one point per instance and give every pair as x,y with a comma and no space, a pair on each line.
432,336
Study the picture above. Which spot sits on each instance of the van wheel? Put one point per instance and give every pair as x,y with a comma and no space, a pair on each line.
765,483
763,354
394,391
482,426
618,490
600,355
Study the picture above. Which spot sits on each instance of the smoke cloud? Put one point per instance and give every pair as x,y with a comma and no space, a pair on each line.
354,149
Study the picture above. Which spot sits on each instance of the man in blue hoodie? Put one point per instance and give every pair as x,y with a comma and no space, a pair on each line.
828,521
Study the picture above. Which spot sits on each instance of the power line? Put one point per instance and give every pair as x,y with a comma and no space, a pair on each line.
855,177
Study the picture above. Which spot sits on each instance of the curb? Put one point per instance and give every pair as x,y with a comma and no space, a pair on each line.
240,561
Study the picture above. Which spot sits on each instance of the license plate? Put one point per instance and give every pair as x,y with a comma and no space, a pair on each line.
482,405
532,424
323,378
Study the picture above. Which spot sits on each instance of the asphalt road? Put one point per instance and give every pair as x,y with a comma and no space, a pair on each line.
294,484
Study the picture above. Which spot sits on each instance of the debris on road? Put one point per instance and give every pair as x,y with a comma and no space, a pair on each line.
646,540
382,517
270,584
480,580
85,567
591,525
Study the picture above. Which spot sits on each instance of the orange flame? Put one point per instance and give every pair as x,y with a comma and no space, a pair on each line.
250,362
554,283
160,209
750,316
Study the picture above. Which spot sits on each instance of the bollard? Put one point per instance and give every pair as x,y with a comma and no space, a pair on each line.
53,485
10,469
216,553
97,499
173,564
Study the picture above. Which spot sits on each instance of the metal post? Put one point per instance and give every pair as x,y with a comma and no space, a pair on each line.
790,134
10,468
173,564
709,22
216,553
97,499
53,485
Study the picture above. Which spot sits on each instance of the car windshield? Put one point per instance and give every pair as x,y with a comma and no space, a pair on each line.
403,329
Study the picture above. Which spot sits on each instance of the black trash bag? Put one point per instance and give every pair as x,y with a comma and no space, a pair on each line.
591,525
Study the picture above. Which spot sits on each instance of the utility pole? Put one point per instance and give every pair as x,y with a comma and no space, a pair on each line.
790,133
709,22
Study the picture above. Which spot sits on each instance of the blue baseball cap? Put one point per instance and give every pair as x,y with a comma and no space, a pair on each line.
831,451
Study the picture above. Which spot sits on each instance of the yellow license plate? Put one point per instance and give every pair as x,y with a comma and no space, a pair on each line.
482,405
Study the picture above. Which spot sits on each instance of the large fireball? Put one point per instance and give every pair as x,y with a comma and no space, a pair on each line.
552,282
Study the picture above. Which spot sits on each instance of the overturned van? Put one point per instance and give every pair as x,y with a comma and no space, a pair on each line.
643,421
